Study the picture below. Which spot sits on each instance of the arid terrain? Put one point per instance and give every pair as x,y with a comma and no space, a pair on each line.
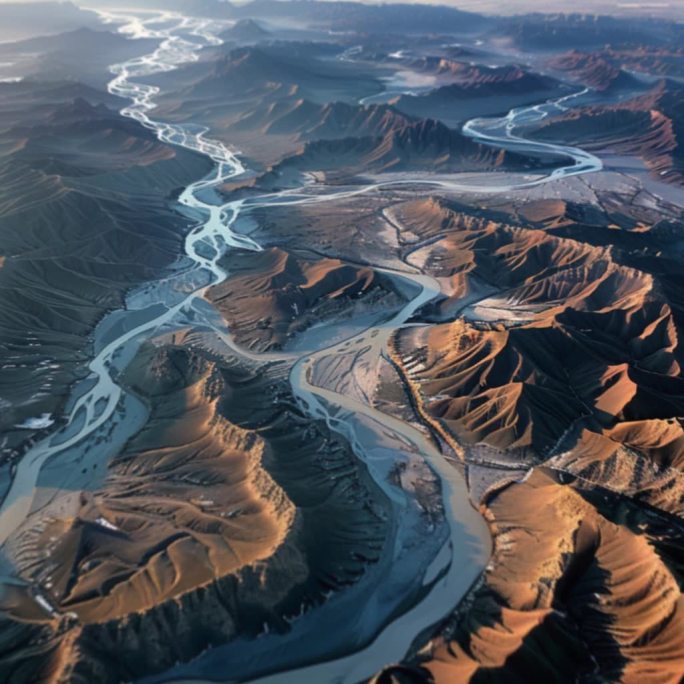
340,342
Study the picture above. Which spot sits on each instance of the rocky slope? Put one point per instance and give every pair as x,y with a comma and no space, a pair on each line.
479,90
62,220
649,126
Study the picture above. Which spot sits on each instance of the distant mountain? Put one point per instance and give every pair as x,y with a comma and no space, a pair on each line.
32,102
357,16
460,70
246,31
594,71
650,126
83,54
322,121
80,111
20,20
654,60
420,145
253,73
478,90
341,15
83,39
557,32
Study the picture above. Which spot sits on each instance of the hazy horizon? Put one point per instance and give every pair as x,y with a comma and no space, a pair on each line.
610,7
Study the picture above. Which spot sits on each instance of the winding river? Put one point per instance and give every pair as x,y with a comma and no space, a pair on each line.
438,573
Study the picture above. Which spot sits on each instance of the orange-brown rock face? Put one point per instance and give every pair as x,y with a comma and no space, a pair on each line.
570,593
186,502
271,295
553,367
207,523
593,70
554,333
648,126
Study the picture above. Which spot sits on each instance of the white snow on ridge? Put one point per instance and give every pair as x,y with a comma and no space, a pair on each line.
43,421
